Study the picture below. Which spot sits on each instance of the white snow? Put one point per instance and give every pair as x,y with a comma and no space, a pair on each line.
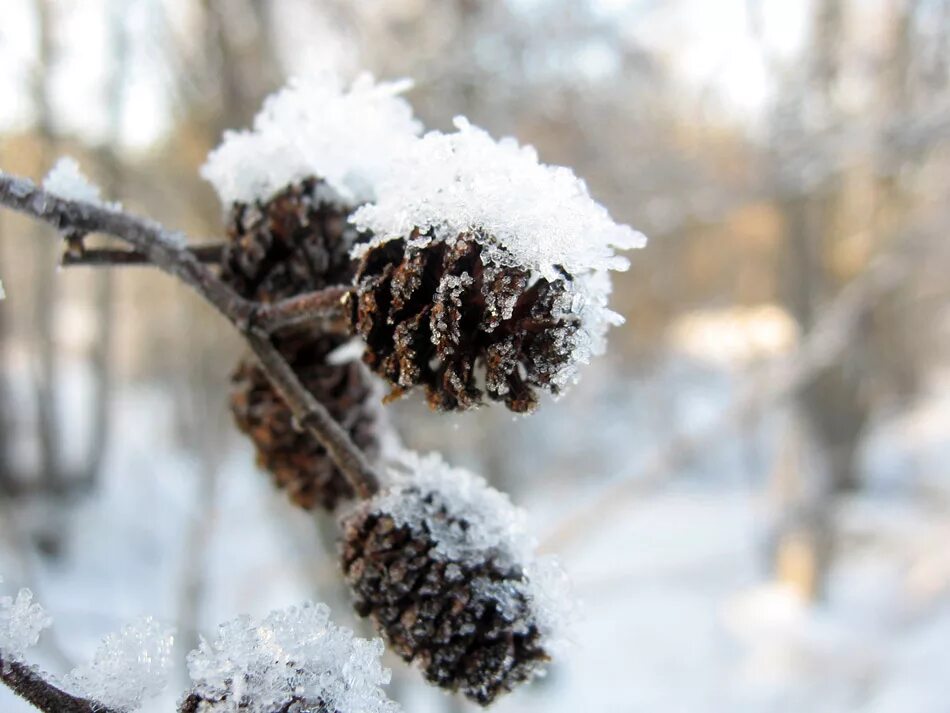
524,213
294,652
316,127
665,579
21,621
67,181
427,494
128,667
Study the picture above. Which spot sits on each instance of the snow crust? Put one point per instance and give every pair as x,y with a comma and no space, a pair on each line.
257,666
522,212
427,494
66,180
21,621
127,667
316,127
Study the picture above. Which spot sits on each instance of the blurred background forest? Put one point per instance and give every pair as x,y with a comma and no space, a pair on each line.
751,490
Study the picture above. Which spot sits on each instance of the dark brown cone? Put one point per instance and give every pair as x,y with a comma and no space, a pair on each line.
292,244
289,245
433,611
434,316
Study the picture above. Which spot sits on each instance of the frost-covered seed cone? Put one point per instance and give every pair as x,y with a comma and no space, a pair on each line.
433,562
487,273
439,317
292,243
288,245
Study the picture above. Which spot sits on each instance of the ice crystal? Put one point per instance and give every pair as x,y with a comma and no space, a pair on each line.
67,181
522,212
295,655
316,128
127,667
470,521
21,621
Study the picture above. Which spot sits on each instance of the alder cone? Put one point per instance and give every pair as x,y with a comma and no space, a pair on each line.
438,613
440,317
289,245
293,243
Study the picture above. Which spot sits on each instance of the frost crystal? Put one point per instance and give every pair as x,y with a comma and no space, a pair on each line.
293,656
315,128
493,528
67,181
21,621
127,667
522,212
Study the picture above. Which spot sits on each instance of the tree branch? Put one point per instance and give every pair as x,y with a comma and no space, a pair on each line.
313,415
96,257
324,306
26,682
168,251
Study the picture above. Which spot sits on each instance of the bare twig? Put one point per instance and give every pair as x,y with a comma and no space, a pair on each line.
323,306
111,257
313,415
28,684
167,251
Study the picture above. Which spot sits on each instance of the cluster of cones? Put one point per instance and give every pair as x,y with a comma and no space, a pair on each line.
427,608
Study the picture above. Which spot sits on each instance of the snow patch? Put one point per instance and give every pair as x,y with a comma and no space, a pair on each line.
67,181
316,127
128,666
292,654
21,621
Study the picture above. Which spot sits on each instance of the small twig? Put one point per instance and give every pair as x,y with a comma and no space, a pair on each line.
169,252
111,257
26,682
324,306
313,415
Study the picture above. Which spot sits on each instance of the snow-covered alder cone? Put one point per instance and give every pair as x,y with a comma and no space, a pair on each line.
487,273
315,152
442,565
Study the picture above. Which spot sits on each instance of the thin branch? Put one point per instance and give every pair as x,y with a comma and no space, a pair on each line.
313,415
26,682
168,251
111,257
324,306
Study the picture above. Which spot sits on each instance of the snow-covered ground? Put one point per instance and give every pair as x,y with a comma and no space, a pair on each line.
678,611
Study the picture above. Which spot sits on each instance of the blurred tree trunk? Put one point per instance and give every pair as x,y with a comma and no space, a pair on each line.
836,404
7,476
112,170
830,412
44,286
